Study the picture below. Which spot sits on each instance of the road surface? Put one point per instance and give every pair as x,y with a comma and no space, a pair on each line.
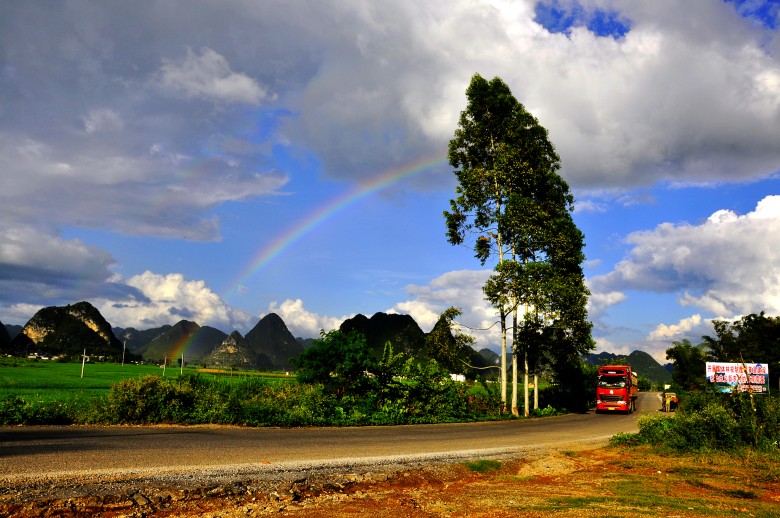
28,453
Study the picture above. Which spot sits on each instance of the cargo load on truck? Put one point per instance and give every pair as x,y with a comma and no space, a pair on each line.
616,389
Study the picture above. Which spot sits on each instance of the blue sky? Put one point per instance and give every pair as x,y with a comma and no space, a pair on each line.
170,160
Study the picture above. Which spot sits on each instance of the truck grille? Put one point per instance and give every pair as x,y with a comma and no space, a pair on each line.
611,399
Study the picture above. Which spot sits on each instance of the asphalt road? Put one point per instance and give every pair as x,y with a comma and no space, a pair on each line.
56,452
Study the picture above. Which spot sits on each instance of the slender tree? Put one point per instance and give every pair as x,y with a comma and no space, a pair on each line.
482,191
511,199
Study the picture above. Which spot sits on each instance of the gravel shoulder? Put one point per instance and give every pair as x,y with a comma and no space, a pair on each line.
248,489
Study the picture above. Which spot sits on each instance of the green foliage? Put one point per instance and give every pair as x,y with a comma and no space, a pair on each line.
575,384
340,361
517,208
547,411
714,422
400,390
644,384
751,339
689,364
148,400
16,410
483,465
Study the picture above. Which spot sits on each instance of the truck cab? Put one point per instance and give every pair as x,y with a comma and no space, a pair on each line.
616,389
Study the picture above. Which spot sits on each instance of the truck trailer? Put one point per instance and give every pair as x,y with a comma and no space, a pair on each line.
616,390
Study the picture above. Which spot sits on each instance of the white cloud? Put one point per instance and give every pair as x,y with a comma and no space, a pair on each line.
167,299
598,302
725,267
683,329
461,289
728,265
301,322
208,76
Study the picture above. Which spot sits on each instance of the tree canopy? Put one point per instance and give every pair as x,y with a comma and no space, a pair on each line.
512,202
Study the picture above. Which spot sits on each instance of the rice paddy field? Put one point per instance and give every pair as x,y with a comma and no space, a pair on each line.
48,381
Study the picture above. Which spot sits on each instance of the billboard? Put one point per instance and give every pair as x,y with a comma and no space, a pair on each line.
733,377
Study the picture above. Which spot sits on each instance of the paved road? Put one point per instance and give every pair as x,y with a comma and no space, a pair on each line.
33,452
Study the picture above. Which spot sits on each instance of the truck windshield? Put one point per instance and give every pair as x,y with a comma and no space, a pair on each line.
612,381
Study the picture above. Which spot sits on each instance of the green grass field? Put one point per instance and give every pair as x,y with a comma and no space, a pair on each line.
44,381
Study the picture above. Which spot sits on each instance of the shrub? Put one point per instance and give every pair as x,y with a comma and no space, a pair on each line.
14,410
148,400
714,422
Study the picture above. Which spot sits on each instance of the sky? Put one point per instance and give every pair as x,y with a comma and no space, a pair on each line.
219,161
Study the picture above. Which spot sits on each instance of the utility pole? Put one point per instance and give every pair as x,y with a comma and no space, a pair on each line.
83,361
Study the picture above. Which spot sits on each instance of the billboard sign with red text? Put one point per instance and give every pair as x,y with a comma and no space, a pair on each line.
739,377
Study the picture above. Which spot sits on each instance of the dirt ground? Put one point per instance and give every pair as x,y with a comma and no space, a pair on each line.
589,482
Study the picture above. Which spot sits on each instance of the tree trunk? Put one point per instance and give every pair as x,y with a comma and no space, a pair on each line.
525,383
503,362
536,390
515,409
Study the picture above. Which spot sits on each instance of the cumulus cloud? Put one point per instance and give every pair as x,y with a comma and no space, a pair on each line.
682,329
461,289
672,99
728,265
301,322
208,75
167,299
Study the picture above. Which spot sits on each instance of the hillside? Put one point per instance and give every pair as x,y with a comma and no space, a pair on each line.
400,330
645,365
68,331
183,337
273,343
234,352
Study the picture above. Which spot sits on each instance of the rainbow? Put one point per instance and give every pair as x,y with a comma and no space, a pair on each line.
276,247
180,347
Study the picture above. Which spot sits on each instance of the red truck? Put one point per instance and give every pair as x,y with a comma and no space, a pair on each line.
616,390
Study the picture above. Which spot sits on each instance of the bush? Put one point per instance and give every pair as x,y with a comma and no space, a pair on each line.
147,400
15,410
706,422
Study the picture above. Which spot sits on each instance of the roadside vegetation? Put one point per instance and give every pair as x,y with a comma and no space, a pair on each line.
723,448
339,384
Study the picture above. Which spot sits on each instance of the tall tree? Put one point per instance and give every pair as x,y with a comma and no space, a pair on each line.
511,199
482,192
689,364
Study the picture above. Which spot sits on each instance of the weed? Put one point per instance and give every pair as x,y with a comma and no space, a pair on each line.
483,465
